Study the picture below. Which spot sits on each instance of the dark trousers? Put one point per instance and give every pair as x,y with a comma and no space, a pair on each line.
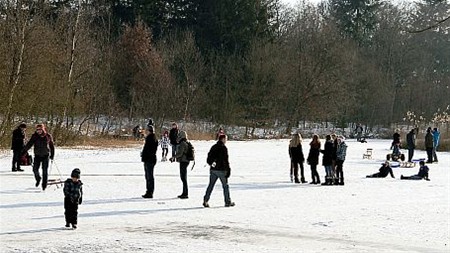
70,211
294,170
410,154
314,174
38,160
340,170
16,159
213,176
183,176
429,154
377,175
165,151
149,177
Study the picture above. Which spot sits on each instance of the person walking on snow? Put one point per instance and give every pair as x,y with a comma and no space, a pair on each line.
340,158
148,156
219,169
17,144
44,150
297,158
73,196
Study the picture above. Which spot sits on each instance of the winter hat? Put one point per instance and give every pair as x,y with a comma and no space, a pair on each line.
151,129
182,135
341,137
75,173
23,125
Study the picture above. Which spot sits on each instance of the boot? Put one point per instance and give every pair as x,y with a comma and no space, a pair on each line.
336,181
147,195
327,181
303,180
297,181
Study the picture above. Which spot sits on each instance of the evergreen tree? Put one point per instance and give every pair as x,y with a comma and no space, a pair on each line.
356,18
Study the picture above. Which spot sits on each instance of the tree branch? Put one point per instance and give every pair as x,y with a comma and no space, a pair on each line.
431,26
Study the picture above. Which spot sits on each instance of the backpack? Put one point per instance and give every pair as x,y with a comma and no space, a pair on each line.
190,153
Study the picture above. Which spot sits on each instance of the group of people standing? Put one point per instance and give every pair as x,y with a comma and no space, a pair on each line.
217,160
333,158
432,138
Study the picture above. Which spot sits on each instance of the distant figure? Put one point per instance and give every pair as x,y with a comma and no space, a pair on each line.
43,150
411,141
423,173
219,169
395,138
148,156
358,131
73,196
137,132
150,123
297,158
327,160
173,135
429,145
164,142
384,171
436,137
17,144
313,158
334,158
341,153
221,132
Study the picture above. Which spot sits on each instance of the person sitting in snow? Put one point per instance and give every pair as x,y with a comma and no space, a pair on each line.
73,196
384,171
423,173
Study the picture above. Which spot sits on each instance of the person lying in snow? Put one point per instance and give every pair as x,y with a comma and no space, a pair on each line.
384,171
423,173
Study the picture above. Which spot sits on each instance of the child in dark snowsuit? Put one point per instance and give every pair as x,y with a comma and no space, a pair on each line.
384,171
423,173
73,196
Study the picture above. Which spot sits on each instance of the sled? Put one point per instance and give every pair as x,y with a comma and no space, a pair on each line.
55,181
368,154
26,160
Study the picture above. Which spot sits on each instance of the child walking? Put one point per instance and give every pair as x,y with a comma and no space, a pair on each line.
73,196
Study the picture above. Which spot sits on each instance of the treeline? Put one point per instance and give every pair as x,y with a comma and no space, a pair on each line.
244,62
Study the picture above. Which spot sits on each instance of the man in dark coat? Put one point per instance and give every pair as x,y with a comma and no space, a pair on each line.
429,145
173,136
18,138
411,141
220,169
148,156
43,150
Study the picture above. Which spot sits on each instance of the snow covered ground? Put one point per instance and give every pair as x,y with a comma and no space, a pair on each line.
271,214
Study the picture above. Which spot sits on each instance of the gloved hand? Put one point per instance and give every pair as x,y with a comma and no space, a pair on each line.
172,159
52,157
228,173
